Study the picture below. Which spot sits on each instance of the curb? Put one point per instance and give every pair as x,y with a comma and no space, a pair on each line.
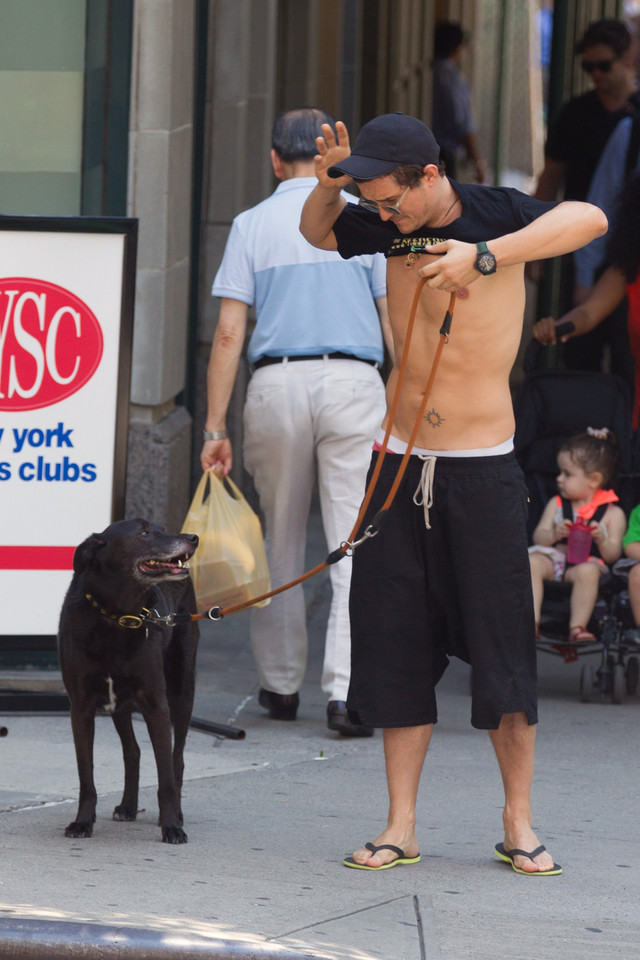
25,939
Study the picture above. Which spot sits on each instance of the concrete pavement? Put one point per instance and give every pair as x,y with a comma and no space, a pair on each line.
270,817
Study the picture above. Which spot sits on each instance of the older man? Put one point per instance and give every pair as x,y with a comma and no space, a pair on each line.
313,404
452,579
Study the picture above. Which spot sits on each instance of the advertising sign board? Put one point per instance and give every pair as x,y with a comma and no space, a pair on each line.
66,323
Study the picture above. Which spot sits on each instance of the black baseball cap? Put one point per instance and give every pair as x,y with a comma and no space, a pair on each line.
385,143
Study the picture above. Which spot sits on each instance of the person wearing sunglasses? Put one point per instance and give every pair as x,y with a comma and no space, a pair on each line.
576,141
448,572
579,133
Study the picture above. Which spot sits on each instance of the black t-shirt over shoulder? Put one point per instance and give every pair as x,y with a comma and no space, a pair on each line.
487,213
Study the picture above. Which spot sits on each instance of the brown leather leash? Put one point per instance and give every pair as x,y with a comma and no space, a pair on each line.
348,546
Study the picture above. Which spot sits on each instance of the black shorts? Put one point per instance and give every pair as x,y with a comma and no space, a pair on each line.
462,588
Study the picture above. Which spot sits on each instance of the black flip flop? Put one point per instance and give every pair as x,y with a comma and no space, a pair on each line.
508,857
401,859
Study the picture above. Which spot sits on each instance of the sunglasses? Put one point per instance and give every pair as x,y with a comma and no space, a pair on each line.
375,207
603,66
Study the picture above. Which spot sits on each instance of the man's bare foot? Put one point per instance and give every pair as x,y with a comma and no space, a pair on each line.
524,838
405,841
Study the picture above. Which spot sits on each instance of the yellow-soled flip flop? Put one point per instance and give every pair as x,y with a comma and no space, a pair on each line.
401,859
508,857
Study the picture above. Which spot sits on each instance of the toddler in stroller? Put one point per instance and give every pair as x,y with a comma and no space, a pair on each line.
551,406
587,464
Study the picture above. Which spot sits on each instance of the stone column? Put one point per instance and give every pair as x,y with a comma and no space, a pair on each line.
159,194
240,111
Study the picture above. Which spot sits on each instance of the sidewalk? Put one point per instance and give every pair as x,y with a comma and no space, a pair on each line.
270,817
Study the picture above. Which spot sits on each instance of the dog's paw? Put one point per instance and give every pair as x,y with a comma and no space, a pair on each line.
79,830
123,812
174,835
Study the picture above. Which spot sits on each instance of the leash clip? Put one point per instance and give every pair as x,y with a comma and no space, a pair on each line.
156,617
350,545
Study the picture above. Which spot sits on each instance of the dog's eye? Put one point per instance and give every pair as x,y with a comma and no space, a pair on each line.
144,533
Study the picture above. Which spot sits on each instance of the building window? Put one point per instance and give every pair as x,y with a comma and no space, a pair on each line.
64,106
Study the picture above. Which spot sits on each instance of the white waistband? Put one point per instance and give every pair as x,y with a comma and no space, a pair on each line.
399,446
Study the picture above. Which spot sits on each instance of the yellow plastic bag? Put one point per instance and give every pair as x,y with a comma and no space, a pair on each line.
230,565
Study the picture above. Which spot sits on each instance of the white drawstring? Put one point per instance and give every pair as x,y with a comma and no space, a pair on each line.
424,491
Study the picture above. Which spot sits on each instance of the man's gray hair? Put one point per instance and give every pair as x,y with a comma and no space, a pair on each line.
295,132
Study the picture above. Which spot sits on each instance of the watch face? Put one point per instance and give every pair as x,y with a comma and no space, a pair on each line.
486,263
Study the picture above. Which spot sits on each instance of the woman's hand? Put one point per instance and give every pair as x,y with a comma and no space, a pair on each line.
544,331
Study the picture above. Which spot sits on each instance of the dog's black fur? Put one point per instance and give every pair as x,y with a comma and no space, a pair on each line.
130,566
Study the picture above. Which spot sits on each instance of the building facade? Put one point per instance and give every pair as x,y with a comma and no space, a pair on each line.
162,110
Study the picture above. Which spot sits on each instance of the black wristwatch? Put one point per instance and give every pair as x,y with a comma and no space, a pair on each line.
485,262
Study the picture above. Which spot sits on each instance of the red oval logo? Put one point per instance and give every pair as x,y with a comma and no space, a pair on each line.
50,343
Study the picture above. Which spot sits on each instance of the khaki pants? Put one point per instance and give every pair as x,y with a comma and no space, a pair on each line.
305,420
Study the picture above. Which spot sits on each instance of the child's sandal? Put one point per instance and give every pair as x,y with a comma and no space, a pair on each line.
580,634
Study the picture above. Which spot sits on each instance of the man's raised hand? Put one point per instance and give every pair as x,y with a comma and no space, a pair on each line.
332,150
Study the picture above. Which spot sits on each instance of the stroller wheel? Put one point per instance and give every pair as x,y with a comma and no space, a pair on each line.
587,683
619,687
632,675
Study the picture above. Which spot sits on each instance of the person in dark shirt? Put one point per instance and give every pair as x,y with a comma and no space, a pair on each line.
579,133
577,138
453,122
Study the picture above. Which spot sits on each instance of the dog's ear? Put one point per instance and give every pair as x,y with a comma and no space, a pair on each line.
85,553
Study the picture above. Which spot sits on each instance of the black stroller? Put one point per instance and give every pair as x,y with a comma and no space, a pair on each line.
551,406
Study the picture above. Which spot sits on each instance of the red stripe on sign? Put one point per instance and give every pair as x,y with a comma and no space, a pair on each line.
36,558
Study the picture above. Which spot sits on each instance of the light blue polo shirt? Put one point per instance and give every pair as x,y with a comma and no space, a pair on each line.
307,300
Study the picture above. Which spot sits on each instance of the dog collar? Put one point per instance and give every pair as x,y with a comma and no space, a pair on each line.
127,620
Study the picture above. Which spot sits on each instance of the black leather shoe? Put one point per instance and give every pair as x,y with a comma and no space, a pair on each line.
281,706
338,719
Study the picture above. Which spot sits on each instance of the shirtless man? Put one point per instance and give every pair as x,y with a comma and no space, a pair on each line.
451,576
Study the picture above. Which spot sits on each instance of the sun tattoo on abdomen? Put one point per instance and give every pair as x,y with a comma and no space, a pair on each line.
434,418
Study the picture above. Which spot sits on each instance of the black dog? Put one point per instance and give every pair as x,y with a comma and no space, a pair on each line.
115,654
